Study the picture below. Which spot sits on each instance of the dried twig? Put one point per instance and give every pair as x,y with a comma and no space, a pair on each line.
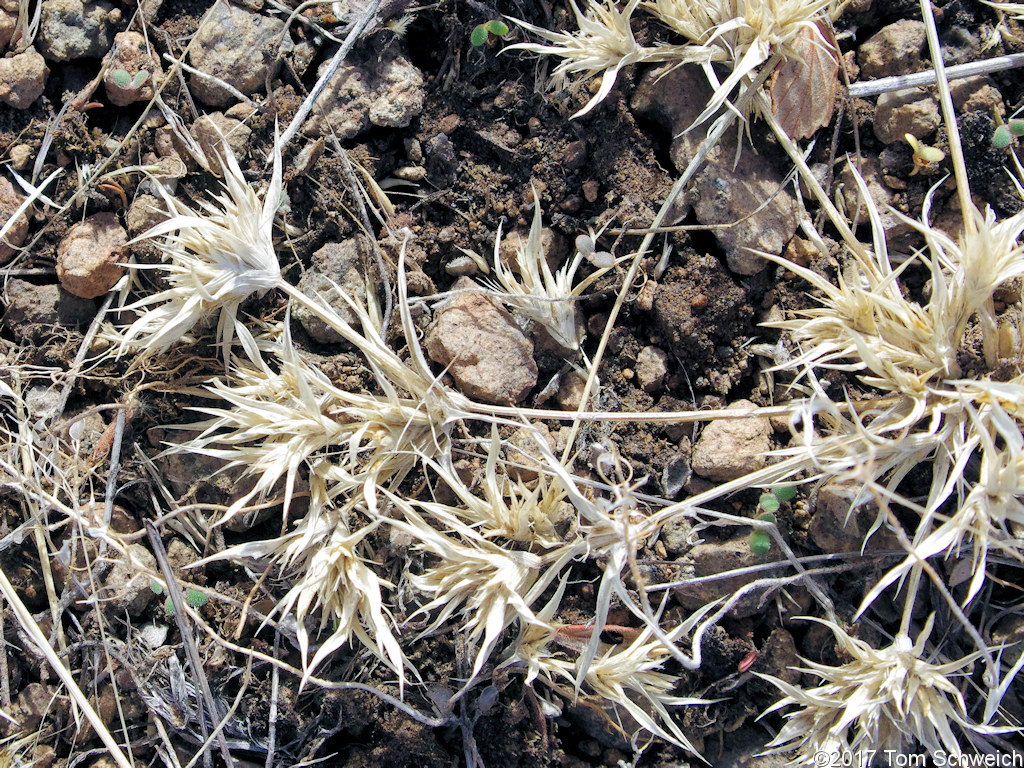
189,642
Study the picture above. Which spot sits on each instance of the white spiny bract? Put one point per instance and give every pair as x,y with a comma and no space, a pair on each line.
280,421
603,45
883,699
741,34
487,583
528,515
540,295
330,564
215,258
627,675
918,356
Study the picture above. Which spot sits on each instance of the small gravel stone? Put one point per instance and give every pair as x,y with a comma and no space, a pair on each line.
591,189
212,130
34,312
974,94
236,46
127,587
22,79
675,535
912,110
842,517
575,156
651,369
387,92
730,448
523,453
21,156
461,266
8,21
88,256
146,212
486,353
411,173
10,199
345,264
894,50
71,29
133,69
32,704
676,475
570,390
880,193
713,558
553,245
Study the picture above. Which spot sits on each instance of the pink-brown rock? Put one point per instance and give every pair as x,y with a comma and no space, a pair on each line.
486,353
88,257
10,199
133,69
22,79
730,448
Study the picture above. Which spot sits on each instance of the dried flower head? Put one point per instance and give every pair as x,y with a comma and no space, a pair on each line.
741,34
887,699
918,357
603,44
543,296
332,568
215,258
487,583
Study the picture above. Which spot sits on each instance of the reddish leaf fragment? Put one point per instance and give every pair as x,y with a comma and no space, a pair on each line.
804,87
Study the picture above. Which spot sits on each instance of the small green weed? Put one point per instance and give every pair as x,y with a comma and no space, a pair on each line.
484,33
1004,133
760,543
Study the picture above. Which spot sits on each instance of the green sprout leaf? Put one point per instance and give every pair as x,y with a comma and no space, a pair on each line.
786,493
196,599
1002,137
497,28
169,606
1016,127
479,35
760,542
121,77
769,502
156,586
140,77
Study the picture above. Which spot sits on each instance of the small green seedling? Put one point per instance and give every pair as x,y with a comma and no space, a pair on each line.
760,542
1004,133
123,78
925,157
193,597
483,33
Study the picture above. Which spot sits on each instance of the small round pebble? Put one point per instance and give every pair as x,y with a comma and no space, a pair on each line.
88,256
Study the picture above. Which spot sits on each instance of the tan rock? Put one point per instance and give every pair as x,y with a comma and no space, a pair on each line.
730,448
88,257
483,348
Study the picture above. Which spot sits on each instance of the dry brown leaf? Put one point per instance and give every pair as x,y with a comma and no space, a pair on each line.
804,87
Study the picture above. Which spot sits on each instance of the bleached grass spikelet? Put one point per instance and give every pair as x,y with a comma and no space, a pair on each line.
543,296
332,568
741,34
603,45
883,699
488,584
279,421
943,400
627,675
215,258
